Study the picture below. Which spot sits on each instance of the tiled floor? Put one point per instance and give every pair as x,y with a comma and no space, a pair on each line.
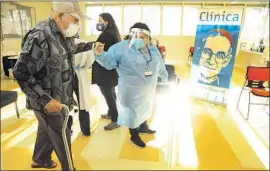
190,135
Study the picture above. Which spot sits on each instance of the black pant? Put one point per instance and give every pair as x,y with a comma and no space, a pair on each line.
84,117
51,137
110,97
135,131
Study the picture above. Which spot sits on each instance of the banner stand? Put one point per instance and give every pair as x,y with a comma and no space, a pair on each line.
214,54
200,99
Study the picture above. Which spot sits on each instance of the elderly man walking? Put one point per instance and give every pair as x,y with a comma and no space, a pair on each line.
45,74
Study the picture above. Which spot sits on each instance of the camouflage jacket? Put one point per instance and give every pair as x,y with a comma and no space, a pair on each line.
44,69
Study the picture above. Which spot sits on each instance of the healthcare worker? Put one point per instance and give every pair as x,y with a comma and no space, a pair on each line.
83,61
107,79
138,64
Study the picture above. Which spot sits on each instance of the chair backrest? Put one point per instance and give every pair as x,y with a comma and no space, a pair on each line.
171,71
8,97
258,73
256,76
162,50
191,50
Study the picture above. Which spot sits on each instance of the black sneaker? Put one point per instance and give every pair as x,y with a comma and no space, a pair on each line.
106,116
138,141
146,130
86,133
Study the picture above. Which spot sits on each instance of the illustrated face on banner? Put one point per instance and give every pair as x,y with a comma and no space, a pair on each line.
215,55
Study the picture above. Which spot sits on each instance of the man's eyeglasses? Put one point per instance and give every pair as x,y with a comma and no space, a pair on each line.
207,53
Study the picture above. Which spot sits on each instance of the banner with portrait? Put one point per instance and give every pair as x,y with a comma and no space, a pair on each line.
214,53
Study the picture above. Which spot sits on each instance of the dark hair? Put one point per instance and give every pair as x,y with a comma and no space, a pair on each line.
111,26
140,26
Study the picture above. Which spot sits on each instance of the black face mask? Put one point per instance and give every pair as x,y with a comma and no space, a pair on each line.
100,26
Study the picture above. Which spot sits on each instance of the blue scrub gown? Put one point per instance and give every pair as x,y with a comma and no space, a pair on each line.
136,92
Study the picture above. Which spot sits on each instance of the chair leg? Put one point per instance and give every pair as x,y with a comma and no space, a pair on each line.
265,106
237,106
189,60
17,110
175,80
248,106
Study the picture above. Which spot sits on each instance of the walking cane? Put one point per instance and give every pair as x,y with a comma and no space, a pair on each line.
64,128
2,167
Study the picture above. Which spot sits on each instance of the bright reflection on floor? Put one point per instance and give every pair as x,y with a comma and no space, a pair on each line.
25,133
261,150
7,136
173,115
187,153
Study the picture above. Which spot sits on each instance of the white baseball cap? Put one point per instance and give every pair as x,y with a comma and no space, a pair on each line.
71,7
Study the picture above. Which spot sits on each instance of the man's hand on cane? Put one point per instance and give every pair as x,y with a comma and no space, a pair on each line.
53,106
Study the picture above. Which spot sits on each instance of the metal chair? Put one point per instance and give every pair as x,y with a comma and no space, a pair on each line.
173,80
255,78
162,50
8,97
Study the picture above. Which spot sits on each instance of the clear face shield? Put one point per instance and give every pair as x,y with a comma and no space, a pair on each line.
139,38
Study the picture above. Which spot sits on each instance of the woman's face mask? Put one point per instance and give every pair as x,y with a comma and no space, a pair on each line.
139,43
100,26
72,30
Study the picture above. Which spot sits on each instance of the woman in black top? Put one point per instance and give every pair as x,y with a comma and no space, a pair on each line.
107,79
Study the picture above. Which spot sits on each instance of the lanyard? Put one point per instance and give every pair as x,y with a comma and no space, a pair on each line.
147,61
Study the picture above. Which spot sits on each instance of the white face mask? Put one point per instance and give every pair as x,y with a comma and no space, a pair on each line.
72,30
